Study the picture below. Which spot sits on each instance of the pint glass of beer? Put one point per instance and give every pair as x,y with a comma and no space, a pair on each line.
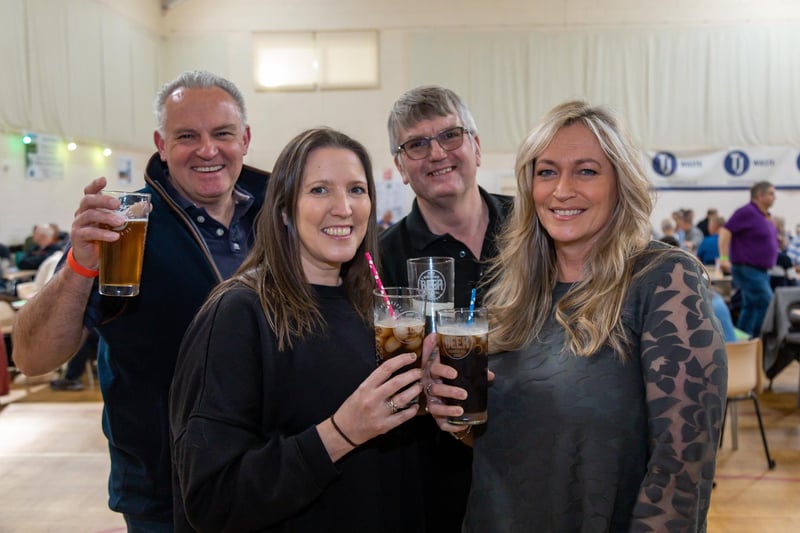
399,315
121,260
463,337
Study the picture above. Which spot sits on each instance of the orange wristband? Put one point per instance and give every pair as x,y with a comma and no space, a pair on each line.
80,269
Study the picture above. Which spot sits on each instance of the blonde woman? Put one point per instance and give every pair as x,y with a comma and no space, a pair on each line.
606,408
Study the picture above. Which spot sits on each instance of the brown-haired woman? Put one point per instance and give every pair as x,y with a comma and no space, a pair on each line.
280,420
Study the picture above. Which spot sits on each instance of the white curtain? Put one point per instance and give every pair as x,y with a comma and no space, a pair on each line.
14,90
77,68
698,87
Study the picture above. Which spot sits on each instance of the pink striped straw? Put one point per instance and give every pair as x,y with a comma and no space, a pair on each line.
379,284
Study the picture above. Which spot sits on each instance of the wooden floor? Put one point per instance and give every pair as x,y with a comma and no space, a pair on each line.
54,467
749,497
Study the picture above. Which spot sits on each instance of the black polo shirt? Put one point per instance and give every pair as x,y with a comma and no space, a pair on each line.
410,237
446,463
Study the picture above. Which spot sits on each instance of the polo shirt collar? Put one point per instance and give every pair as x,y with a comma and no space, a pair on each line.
422,236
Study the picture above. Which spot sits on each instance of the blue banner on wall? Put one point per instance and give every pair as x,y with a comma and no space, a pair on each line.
735,168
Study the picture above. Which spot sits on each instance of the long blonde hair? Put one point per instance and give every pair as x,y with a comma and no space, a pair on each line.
524,273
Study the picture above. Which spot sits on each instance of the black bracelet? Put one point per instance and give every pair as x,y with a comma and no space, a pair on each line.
345,437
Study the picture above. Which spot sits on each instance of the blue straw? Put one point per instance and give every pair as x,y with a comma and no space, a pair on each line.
471,305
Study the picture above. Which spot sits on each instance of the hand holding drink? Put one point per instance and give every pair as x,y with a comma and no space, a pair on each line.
399,317
121,260
463,340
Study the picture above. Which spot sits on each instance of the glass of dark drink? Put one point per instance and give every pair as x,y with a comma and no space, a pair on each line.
463,338
399,318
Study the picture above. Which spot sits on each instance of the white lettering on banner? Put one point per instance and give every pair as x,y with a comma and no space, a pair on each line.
734,168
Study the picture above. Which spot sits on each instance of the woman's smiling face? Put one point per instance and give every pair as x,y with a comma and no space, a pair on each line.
333,212
574,189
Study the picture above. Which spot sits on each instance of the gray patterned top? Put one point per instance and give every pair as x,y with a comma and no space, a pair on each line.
595,444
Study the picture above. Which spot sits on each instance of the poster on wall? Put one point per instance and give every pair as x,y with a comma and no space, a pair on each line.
390,194
734,168
42,158
125,169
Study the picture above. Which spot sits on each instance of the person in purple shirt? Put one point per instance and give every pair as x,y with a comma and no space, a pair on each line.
750,237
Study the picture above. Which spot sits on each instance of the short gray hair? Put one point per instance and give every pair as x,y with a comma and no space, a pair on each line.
423,103
196,79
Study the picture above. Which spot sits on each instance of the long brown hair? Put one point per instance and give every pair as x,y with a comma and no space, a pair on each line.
273,267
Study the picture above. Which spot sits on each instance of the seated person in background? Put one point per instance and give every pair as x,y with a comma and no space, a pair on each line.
783,274
669,239
688,235
668,229
793,251
62,237
46,238
29,243
386,220
708,251
76,366
5,257
703,225
783,235
5,262
723,314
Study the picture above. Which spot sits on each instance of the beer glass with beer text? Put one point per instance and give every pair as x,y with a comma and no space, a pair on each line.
463,339
399,317
435,277
121,260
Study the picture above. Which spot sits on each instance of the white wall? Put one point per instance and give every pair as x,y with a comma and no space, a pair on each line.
25,202
63,36
144,12
216,35
276,117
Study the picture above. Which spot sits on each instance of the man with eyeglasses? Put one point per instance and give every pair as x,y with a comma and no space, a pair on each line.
436,148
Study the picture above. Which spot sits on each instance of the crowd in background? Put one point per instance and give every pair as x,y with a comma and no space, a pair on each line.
703,240
44,241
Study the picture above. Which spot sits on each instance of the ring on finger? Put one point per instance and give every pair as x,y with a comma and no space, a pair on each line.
392,406
428,389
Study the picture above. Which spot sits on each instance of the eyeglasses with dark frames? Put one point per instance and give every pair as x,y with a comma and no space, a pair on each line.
420,147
